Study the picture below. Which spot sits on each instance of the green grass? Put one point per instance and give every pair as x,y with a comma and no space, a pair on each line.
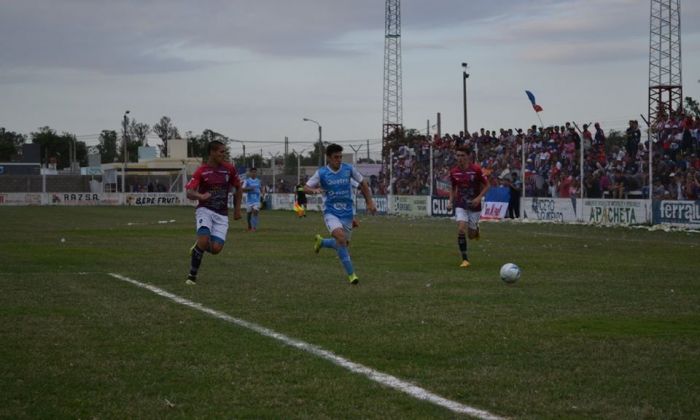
605,322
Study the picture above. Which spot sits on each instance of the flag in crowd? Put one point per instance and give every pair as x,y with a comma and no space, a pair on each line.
530,96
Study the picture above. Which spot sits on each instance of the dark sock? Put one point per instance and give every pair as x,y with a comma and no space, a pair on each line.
197,255
248,217
462,242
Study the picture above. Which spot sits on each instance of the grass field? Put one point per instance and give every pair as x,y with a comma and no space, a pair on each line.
605,322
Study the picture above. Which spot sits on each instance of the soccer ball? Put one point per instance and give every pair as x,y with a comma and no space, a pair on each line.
510,273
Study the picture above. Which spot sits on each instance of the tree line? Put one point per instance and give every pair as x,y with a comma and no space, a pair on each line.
60,148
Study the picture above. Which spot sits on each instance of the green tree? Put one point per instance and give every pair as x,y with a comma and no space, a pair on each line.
691,107
197,145
126,134
59,147
108,146
139,133
10,144
165,130
614,138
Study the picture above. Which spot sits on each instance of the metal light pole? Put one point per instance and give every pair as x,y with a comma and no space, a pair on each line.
273,163
320,140
465,76
125,139
299,165
242,145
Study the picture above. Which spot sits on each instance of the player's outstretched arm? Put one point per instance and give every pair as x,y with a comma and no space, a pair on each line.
367,193
237,203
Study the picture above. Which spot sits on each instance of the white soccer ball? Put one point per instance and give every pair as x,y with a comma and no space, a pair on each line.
510,273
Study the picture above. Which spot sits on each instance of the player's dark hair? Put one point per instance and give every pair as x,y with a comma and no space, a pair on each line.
333,148
464,149
214,144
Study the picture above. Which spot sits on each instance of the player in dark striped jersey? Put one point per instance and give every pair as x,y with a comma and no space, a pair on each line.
210,185
469,185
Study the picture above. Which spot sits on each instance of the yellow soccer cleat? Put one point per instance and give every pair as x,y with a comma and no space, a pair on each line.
464,264
353,279
317,244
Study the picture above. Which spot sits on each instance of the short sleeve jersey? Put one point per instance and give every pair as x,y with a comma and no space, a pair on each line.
217,181
337,187
467,184
252,196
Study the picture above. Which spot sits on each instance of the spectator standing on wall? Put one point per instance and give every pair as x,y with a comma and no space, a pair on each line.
599,139
516,188
632,137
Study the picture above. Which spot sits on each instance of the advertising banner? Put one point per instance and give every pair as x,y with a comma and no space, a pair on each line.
20,199
495,206
551,209
155,199
615,212
409,205
380,201
678,213
75,199
438,207
283,201
491,210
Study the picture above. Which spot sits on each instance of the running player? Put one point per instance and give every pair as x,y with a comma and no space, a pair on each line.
253,189
469,185
334,181
210,185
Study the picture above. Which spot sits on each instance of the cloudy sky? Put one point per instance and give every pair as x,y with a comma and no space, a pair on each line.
253,69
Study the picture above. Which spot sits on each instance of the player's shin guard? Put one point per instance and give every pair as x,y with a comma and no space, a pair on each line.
197,255
462,242
345,259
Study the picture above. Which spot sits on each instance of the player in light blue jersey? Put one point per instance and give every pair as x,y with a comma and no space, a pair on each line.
253,188
334,181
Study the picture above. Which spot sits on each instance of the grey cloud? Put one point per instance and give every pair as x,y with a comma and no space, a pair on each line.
126,36
120,36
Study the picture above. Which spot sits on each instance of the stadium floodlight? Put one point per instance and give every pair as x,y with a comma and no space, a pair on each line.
320,139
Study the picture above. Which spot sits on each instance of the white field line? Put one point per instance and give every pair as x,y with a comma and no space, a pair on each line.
376,376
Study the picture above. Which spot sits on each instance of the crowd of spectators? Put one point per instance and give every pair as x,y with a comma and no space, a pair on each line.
615,167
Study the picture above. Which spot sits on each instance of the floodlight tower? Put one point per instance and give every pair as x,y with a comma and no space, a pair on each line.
665,81
392,120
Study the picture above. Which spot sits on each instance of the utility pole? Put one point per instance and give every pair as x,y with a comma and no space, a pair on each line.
465,76
125,140
355,154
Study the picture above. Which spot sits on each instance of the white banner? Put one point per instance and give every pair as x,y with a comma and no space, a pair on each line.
155,199
409,205
616,212
381,202
551,209
493,210
20,199
283,201
83,199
